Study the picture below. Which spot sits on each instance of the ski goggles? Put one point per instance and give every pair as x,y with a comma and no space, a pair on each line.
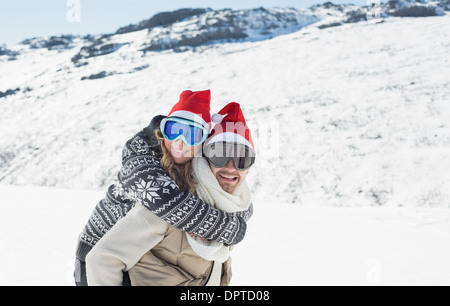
219,153
192,133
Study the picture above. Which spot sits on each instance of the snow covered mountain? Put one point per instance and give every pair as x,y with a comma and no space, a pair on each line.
345,111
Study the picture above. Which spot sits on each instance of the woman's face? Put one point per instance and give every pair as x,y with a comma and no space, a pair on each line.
180,151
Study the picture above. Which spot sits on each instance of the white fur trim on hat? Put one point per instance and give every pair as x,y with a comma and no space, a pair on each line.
230,137
217,118
190,116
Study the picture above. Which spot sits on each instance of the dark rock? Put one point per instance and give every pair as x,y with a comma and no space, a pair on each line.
415,11
4,51
330,25
356,16
162,19
9,92
60,43
94,50
6,158
99,75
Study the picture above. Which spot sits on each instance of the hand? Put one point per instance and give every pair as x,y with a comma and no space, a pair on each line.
197,237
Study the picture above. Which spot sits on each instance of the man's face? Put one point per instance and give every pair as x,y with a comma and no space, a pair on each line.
229,177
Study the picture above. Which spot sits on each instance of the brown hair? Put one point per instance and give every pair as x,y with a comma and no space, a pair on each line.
180,173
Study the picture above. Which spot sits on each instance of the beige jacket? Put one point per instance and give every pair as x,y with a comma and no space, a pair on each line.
168,263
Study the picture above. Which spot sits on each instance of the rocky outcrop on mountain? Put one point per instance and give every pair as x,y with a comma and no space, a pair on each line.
97,48
11,55
197,27
378,10
162,19
59,43
190,28
9,92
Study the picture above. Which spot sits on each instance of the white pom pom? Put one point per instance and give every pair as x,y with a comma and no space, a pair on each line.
217,118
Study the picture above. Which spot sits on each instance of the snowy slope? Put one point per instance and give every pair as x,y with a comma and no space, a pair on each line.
349,115
293,245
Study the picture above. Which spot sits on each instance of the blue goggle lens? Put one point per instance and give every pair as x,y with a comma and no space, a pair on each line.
190,133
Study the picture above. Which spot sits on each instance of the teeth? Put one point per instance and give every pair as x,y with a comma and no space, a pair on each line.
179,152
228,177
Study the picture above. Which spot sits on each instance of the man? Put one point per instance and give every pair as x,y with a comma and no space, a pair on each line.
155,253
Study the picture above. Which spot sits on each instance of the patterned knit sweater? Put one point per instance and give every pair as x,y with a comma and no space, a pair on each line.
143,179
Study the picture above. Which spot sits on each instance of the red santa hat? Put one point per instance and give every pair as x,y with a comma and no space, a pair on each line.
194,106
231,126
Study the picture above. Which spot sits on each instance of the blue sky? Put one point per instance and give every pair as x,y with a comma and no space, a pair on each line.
21,19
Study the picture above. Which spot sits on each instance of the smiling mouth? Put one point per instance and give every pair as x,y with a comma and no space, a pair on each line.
178,152
228,178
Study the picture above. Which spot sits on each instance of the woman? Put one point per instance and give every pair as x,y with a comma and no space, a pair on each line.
155,253
143,179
